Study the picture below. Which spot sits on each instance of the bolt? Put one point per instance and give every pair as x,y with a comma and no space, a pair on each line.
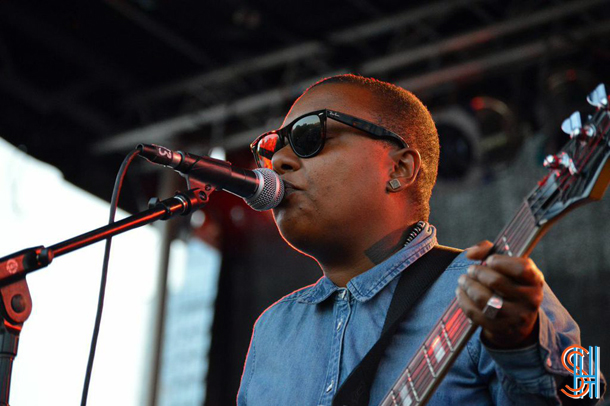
203,196
18,303
208,187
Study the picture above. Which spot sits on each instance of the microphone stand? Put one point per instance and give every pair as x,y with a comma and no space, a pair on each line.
16,303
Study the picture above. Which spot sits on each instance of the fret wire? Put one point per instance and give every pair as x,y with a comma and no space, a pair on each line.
462,322
453,319
433,336
429,379
520,224
512,227
420,386
394,397
400,383
417,369
441,345
442,342
450,310
412,386
458,325
425,349
522,241
421,372
504,231
463,329
449,344
434,376
404,386
434,345
403,382
525,231
420,377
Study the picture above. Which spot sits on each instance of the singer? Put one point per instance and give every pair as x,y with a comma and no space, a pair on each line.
359,160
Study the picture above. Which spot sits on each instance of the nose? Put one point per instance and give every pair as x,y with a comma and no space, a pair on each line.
285,160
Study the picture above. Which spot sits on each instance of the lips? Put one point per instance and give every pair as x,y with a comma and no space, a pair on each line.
289,189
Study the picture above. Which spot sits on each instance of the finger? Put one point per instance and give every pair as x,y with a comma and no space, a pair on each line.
499,283
477,292
479,251
522,270
494,281
470,308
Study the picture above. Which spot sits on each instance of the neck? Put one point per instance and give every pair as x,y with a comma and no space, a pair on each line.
354,260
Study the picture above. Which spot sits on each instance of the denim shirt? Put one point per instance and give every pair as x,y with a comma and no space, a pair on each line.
306,344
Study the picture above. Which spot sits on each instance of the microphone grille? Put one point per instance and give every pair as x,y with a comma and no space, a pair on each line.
270,191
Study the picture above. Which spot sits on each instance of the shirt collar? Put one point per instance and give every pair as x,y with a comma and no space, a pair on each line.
366,285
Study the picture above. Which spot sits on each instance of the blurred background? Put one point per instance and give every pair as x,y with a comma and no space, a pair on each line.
82,83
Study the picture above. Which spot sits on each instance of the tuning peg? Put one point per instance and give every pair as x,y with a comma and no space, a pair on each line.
572,125
560,161
598,97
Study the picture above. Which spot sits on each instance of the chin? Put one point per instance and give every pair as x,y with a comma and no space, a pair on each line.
296,231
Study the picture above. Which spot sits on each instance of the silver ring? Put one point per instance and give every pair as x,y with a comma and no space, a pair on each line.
493,306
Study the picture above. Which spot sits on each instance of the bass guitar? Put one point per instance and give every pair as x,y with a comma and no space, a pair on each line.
579,174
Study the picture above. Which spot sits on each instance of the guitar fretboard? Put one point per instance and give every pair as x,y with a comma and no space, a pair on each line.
444,343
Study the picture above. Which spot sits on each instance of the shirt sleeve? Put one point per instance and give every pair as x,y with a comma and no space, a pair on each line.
535,374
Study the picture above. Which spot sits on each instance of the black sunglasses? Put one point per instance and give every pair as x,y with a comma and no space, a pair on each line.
306,135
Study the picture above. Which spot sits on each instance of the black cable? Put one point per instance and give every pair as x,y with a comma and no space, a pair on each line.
118,184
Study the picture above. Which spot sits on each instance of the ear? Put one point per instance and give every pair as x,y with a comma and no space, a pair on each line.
407,163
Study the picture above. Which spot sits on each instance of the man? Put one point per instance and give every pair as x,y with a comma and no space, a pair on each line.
359,159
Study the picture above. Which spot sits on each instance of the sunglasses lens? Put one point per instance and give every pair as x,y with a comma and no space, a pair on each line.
306,136
266,147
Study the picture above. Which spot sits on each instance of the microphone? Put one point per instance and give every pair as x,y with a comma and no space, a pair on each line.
261,188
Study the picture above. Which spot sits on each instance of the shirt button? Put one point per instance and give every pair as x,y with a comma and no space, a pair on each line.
339,324
330,387
342,294
549,363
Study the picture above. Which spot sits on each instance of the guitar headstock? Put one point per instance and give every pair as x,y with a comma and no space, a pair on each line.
580,171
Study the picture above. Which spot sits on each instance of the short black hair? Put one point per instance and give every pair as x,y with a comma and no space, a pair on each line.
403,113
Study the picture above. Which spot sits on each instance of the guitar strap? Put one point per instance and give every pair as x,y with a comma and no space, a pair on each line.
413,283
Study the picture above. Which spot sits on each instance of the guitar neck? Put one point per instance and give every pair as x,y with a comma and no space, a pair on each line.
451,333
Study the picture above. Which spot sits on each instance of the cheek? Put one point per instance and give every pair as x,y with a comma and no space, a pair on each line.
349,185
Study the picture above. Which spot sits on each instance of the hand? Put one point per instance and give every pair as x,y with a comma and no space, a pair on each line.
518,281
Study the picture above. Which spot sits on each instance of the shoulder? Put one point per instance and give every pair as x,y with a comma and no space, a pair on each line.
284,305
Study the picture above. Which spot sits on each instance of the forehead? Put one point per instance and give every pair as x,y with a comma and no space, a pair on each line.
343,97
